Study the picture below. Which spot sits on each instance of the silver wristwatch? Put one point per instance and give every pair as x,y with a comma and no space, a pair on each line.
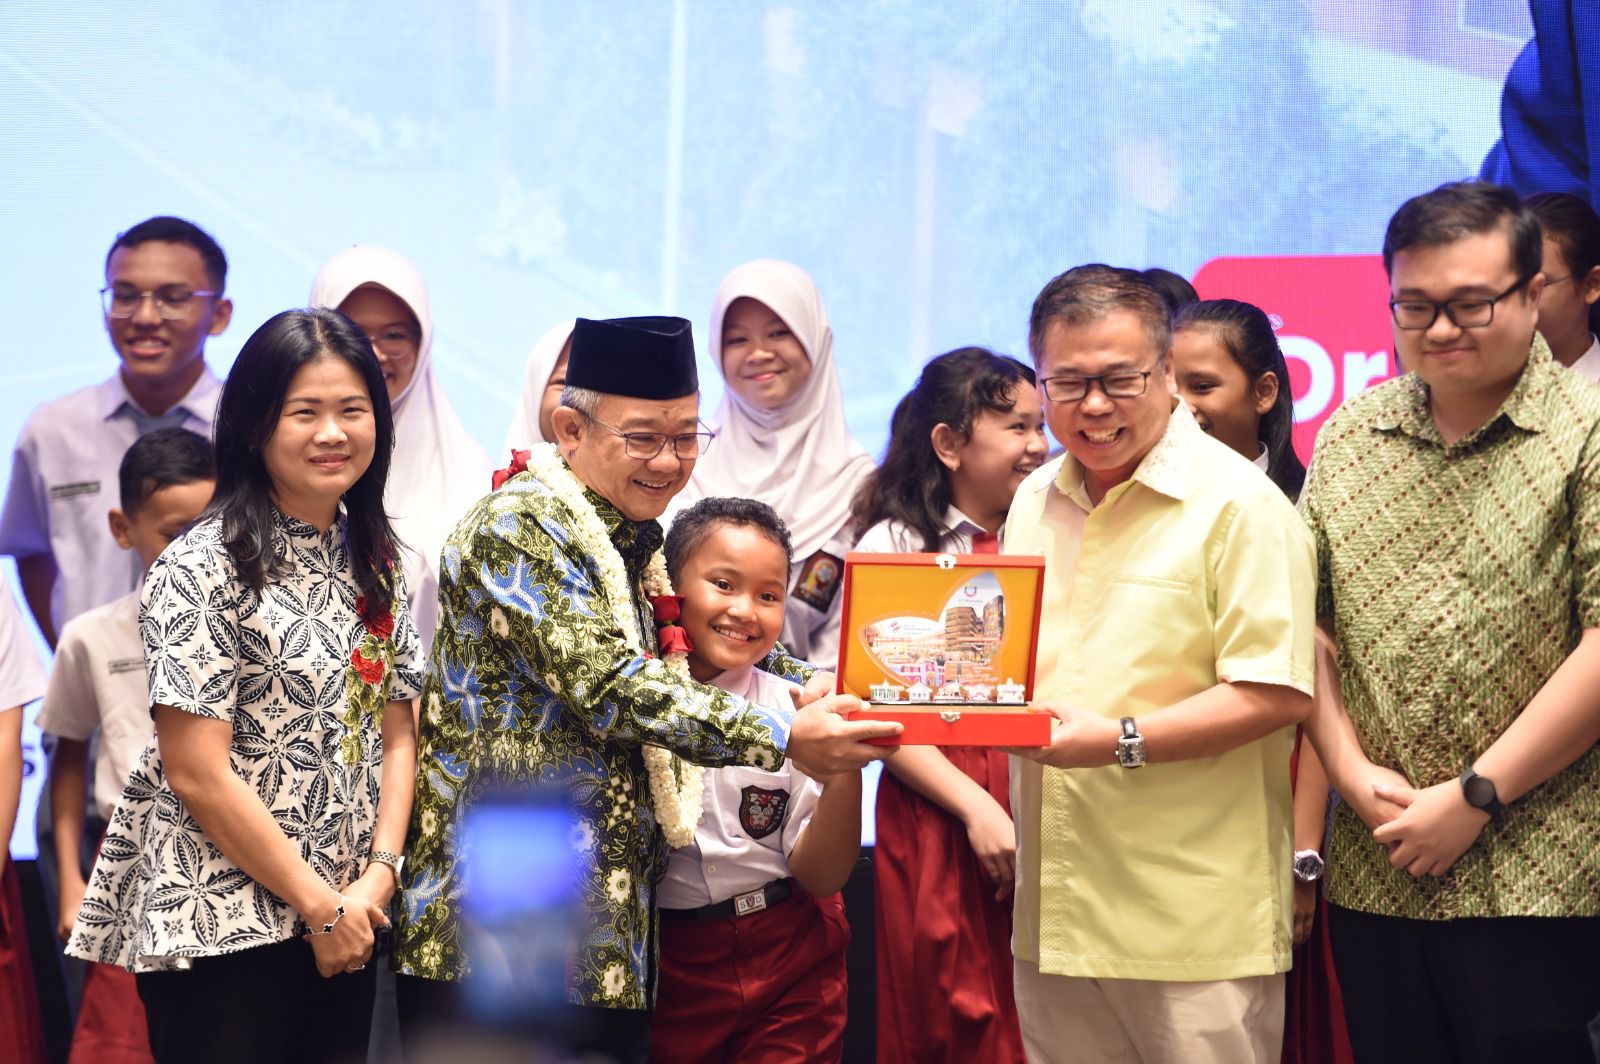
1308,866
1130,747
393,860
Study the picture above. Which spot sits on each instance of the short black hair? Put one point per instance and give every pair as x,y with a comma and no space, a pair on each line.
1459,209
166,229
1572,225
691,527
1086,294
163,459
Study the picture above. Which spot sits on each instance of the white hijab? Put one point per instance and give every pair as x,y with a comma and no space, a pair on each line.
800,459
525,431
438,471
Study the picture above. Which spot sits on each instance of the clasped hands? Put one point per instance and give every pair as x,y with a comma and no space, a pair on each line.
1426,830
348,947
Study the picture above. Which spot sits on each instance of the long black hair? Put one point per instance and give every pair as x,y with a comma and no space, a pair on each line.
911,484
1244,332
247,416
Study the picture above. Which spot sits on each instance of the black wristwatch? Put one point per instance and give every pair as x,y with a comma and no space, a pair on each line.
1130,747
1480,794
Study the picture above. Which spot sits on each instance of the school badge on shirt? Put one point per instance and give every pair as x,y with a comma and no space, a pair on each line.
761,811
819,580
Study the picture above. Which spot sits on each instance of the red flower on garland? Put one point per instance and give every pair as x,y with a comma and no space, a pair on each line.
519,464
673,640
370,671
669,633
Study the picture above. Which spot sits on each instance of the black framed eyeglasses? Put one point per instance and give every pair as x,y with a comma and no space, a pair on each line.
1473,313
1124,384
172,302
643,446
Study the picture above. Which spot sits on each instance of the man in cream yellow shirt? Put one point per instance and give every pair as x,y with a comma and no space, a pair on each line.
1155,833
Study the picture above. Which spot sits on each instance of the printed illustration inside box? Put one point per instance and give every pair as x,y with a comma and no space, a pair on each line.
945,644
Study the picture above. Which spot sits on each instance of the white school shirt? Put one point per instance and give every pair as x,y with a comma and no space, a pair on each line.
98,682
1588,364
815,605
1261,459
895,537
64,482
751,821
21,674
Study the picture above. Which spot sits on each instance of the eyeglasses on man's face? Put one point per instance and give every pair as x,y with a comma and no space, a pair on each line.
172,301
1470,313
1123,384
643,446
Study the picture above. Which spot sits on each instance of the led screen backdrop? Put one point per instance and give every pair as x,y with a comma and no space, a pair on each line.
931,164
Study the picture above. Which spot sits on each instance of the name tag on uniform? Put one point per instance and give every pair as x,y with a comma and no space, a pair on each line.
72,491
122,665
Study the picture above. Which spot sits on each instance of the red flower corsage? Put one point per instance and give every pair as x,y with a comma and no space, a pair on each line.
519,464
670,635
370,671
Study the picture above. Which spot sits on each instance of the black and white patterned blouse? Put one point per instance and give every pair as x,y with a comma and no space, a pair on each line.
302,680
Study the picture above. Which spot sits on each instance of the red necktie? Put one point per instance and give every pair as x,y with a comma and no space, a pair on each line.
986,543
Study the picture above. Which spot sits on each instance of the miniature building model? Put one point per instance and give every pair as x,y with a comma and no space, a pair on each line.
950,692
919,692
1012,693
885,692
980,692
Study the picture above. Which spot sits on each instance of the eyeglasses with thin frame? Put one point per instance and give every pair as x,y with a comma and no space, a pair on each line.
1123,384
396,343
643,446
1473,313
172,302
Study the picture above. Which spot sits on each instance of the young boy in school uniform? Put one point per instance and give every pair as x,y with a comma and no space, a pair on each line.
753,933
98,684
162,300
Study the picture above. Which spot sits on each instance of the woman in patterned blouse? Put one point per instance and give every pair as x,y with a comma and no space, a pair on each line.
244,875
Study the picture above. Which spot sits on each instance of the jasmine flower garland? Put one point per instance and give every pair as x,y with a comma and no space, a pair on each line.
677,788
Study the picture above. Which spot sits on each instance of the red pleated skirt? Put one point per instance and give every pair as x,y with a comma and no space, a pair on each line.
21,1030
944,942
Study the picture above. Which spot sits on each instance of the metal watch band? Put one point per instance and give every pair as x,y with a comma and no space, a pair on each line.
384,857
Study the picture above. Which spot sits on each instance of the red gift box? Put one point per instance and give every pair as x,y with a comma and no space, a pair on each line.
944,644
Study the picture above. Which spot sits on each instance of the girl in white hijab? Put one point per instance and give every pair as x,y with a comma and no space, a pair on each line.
782,437
438,470
542,382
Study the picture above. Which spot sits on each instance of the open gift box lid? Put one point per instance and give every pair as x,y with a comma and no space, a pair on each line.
945,644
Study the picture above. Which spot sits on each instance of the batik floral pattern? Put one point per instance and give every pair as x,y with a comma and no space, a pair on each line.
531,683
277,666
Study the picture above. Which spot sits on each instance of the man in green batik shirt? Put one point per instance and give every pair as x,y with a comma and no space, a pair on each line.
533,679
1456,512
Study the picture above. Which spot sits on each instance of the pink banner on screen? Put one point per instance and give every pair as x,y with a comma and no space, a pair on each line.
1332,317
